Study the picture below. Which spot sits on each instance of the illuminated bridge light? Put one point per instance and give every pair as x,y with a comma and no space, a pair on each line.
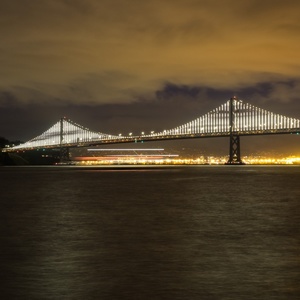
247,119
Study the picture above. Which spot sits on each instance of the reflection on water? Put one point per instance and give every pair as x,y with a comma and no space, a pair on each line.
150,233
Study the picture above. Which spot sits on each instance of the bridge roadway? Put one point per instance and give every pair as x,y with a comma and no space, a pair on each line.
157,137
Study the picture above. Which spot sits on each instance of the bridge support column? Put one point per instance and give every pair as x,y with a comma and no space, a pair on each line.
234,142
234,151
64,155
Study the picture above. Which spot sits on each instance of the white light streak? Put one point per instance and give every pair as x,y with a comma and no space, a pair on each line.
151,149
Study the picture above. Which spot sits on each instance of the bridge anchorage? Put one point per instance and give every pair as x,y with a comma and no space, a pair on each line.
233,119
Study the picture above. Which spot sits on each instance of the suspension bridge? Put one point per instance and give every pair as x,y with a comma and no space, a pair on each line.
233,119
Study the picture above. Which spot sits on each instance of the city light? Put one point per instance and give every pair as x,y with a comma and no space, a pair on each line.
174,159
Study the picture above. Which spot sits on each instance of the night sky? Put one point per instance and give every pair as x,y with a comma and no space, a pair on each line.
120,66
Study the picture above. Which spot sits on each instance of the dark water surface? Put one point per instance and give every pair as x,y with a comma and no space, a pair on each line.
224,232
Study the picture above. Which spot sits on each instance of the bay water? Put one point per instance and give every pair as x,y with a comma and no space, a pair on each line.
145,232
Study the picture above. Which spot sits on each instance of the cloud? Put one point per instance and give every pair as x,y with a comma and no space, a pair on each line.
117,51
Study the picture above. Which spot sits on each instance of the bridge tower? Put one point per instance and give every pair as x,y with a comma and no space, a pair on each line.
64,155
234,138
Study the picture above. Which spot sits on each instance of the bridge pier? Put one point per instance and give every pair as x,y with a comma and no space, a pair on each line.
234,151
64,155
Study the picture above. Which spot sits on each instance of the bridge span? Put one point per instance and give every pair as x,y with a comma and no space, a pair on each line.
233,119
